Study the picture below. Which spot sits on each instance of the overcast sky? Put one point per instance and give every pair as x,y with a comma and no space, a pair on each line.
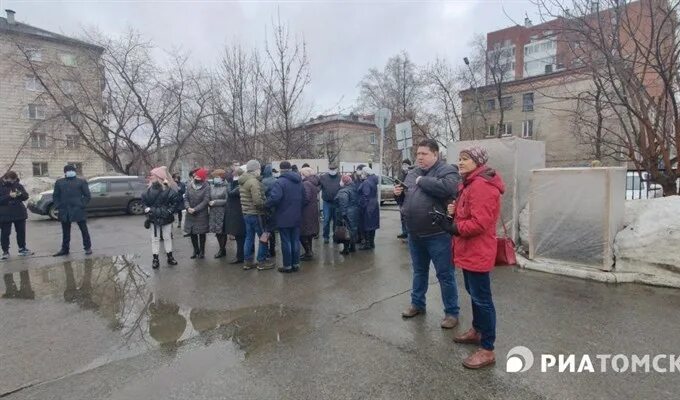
344,38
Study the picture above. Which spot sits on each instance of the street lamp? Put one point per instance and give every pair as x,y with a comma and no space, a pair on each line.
473,83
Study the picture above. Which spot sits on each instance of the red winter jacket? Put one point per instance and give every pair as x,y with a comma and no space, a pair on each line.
476,214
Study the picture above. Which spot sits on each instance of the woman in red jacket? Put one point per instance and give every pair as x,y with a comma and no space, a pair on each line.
475,215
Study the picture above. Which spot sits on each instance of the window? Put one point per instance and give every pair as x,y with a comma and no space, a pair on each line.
506,129
98,187
79,167
32,83
528,128
72,141
38,140
68,59
138,186
506,102
67,87
36,111
34,54
119,186
491,131
490,104
373,138
39,169
528,102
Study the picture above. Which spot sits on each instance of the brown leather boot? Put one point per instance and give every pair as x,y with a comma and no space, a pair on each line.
480,359
412,311
449,322
469,337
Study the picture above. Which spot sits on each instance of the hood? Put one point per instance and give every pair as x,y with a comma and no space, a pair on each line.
291,176
267,173
488,175
373,179
314,179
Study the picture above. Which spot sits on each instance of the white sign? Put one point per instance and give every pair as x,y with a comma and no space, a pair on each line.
382,118
404,135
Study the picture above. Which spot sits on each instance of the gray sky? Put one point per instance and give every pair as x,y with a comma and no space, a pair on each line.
344,38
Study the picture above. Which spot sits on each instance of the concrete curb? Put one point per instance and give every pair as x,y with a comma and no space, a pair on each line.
588,272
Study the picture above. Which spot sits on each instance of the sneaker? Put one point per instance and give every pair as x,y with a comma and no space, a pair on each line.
295,268
25,252
4,256
249,265
265,266
285,270
88,252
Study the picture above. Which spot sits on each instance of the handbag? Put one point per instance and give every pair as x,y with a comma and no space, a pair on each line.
505,249
341,234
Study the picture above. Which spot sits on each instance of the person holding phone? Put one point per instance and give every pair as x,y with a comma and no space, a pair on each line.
13,212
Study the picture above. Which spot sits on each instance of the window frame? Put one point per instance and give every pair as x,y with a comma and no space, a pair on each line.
68,56
42,171
509,106
528,125
491,102
32,52
525,106
71,143
41,144
38,116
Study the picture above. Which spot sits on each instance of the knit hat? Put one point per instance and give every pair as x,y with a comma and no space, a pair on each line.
346,179
477,154
306,171
218,172
285,166
252,165
69,167
162,174
201,174
367,171
406,161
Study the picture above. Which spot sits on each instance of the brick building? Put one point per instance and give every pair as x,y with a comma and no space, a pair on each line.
544,78
30,124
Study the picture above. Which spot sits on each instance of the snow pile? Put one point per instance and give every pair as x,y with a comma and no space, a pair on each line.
649,243
36,185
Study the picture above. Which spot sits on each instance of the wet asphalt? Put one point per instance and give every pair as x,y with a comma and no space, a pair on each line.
110,327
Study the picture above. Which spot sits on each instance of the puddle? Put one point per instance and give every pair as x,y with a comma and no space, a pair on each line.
121,294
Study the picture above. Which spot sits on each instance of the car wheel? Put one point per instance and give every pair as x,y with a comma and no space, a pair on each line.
52,212
135,207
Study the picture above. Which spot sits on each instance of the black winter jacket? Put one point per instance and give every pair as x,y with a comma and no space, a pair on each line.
162,203
12,208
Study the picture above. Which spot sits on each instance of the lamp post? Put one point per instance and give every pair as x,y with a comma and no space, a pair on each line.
473,82
382,119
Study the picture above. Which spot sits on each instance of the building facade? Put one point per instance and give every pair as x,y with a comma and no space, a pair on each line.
346,138
545,77
37,139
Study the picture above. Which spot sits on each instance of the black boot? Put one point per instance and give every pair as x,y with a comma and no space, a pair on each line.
372,239
222,241
155,264
352,247
345,248
366,245
221,253
194,243
171,259
201,254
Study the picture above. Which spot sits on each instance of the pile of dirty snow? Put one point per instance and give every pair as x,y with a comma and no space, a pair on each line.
36,185
649,242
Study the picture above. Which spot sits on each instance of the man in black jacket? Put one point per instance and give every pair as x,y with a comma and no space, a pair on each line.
13,212
330,185
429,187
71,195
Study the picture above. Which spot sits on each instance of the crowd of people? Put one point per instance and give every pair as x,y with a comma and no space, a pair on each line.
449,215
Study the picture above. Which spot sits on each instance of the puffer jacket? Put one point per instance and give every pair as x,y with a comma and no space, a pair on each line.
162,202
347,209
287,197
368,201
436,188
218,195
197,198
12,208
475,217
252,194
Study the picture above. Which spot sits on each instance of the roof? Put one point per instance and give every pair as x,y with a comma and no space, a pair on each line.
351,118
574,73
19,28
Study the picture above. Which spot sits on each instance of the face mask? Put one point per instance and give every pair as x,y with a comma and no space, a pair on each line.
218,180
70,174
404,167
332,172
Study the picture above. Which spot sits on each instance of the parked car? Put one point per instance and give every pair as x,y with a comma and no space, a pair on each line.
386,189
638,186
109,193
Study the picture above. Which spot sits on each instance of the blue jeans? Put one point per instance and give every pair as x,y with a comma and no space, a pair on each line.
478,285
328,217
437,249
290,246
253,231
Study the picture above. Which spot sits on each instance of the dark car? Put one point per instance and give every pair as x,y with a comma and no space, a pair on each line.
109,193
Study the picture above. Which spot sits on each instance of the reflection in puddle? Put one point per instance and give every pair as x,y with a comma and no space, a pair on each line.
117,290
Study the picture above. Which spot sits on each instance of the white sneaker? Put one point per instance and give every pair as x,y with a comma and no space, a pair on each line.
4,256
25,252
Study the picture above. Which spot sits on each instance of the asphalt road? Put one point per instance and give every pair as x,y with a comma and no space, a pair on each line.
109,327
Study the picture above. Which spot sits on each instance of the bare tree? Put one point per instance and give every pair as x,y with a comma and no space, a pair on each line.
286,74
630,53
120,103
443,86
